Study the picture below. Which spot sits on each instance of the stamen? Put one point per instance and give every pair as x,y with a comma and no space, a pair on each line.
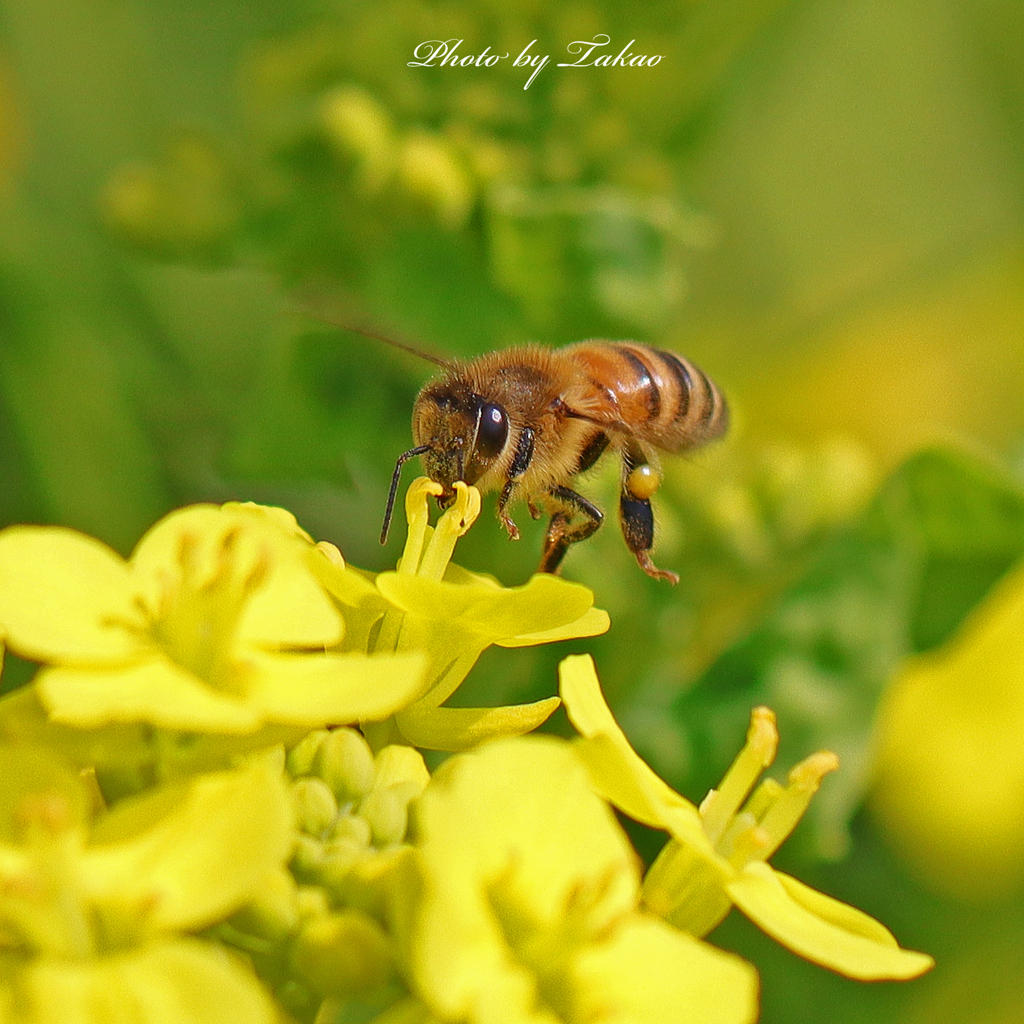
750,845
450,527
417,513
202,604
782,817
762,798
757,753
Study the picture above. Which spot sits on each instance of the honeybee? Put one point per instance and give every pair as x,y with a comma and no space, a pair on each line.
526,420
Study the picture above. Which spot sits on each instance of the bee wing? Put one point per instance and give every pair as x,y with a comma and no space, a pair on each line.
602,412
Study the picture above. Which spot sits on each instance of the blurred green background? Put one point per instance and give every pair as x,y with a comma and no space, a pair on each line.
819,201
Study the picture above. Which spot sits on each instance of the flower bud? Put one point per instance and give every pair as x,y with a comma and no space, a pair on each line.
301,756
274,914
351,828
345,762
308,857
400,777
344,954
315,806
387,811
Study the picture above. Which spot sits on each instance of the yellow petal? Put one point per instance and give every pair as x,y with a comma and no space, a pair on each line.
652,972
28,771
618,771
66,598
336,689
279,517
287,609
351,586
822,929
949,772
523,807
624,780
513,843
463,728
24,720
584,702
592,622
291,611
161,983
156,691
364,605
544,603
450,661
195,854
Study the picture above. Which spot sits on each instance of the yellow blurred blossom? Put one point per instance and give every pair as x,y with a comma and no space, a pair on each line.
92,916
949,774
216,624
529,911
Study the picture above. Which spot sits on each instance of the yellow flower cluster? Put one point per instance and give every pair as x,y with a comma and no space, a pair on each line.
221,751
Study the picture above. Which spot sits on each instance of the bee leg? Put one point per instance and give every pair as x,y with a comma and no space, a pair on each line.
506,520
639,482
520,464
562,531
638,529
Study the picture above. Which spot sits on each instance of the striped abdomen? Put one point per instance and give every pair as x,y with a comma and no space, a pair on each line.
658,396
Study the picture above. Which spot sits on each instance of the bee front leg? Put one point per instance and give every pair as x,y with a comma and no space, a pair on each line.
637,517
563,531
520,464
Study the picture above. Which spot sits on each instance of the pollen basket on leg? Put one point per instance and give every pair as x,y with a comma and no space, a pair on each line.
643,481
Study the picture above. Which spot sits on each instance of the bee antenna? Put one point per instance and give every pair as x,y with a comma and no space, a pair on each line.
402,460
330,321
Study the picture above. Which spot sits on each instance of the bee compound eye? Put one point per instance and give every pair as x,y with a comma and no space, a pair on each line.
492,432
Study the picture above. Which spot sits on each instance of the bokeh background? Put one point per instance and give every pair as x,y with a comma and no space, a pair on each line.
819,201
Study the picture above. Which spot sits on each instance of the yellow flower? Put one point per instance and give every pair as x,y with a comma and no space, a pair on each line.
717,855
92,917
949,774
430,605
216,624
529,913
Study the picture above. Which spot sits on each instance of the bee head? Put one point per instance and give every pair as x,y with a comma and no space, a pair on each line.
459,434
463,432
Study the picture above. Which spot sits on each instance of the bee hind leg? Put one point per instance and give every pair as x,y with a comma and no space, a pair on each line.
638,530
575,520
